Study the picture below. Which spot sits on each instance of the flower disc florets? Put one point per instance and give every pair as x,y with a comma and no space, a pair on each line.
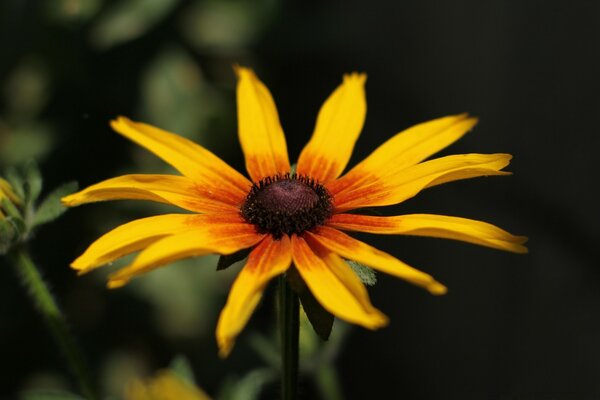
286,204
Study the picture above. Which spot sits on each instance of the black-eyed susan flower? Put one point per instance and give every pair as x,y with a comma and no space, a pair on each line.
164,386
7,192
292,218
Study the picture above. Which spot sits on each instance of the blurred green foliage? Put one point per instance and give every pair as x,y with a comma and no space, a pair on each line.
72,66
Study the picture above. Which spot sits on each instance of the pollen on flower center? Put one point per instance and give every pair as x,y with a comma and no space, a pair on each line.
286,204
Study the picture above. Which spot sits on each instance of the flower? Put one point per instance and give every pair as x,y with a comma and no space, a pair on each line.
292,218
164,386
7,192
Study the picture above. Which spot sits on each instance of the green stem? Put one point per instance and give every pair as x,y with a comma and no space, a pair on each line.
289,324
55,319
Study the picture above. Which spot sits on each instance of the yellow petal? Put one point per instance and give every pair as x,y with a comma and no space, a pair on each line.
166,386
170,189
261,135
132,237
356,250
269,259
439,226
6,191
408,148
386,189
339,124
335,285
220,234
189,158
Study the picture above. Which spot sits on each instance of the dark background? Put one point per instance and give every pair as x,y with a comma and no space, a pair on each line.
511,326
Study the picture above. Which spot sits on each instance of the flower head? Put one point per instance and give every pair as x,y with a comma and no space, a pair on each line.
164,386
287,217
7,192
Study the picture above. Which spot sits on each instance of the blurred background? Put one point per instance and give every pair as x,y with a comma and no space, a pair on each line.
511,326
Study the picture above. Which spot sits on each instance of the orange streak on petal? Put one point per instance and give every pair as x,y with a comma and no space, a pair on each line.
266,165
260,132
269,259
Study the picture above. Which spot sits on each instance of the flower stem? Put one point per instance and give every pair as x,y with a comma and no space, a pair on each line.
55,319
289,325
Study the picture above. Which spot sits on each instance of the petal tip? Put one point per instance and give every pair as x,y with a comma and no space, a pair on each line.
70,200
518,246
437,289
357,77
225,347
380,320
115,283
120,123
83,265
243,72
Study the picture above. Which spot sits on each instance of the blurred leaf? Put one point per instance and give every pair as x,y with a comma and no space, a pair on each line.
265,348
67,11
183,369
328,382
48,395
10,209
26,90
226,261
365,274
33,183
248,387
224,26
320,319
7,234
52,208
24,142
176,96
183,297
127,20
16,181
18,225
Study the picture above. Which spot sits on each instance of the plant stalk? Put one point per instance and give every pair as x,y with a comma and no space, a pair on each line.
289,325
55,320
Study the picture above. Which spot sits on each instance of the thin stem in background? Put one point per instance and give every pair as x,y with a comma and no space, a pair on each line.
55,320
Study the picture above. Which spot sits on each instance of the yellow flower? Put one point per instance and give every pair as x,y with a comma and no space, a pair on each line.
292,218
7,192
165,386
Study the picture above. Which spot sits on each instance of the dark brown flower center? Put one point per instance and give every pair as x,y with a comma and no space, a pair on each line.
286,204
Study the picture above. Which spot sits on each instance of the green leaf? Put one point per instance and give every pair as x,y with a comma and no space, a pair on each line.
265,348
16,181
293,169
52,208
26,141
249,386
328,382
128,20
33,183
320,319
182,368
7,234
176,95
365,274
48,395
226,261
11,209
